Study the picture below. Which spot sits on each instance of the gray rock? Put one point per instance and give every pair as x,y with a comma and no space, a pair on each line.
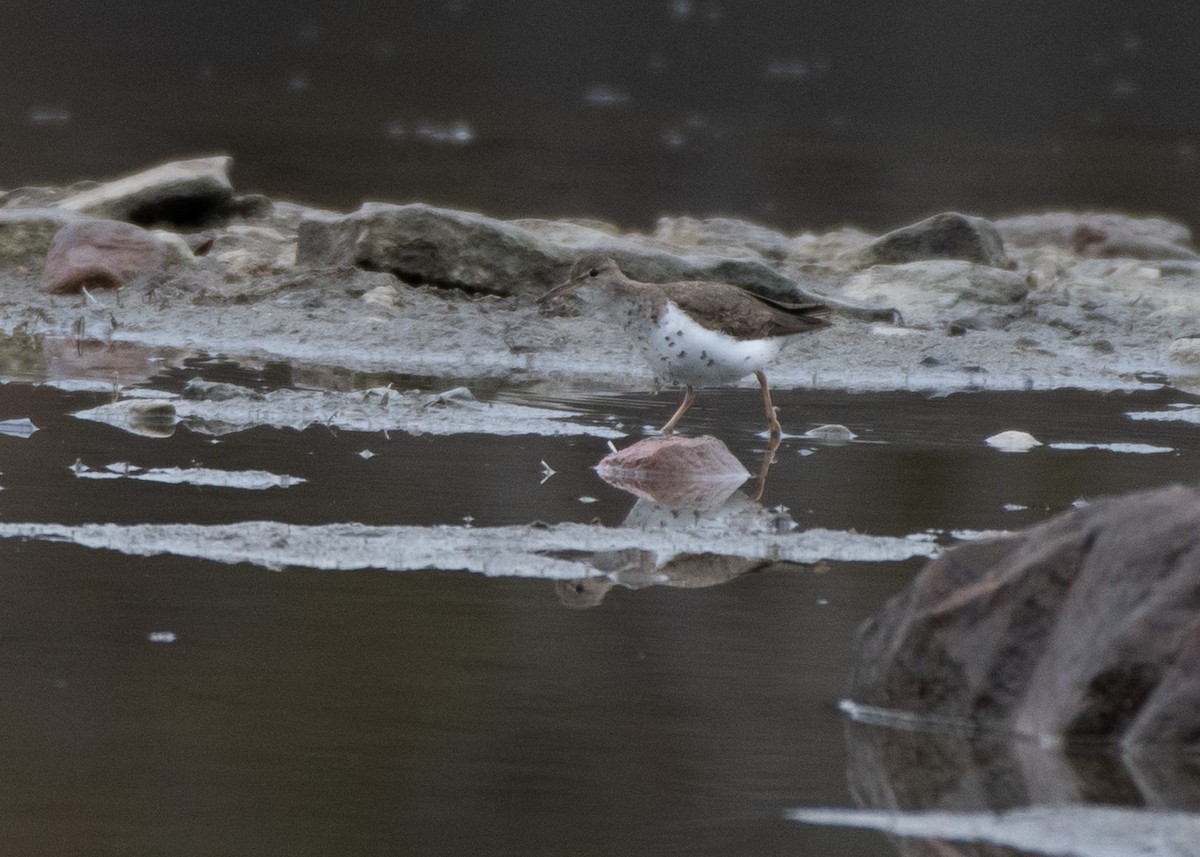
1081,628
923,292
42,197
552,228
420,243
27,233
458,249
1100,235
218,391
100,254
249,250
723,235
944,236
189,192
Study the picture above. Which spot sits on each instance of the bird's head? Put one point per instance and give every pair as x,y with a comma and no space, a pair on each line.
589,279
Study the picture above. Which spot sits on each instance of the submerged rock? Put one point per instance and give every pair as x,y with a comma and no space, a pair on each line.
944,236
697,473
1081,628
830,433
102,254
190,192
1100,235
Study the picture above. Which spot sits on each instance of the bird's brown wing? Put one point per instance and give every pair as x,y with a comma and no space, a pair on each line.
744,315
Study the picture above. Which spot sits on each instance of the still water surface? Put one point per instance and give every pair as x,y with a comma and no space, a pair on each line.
298,711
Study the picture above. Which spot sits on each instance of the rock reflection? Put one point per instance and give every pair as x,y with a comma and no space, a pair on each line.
119,362
681,484
983,792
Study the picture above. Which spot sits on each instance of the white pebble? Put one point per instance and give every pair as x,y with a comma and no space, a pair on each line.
1013,441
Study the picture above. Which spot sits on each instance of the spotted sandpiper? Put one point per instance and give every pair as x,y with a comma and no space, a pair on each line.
694,333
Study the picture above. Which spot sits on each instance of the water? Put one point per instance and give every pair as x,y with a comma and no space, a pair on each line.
169,704
798,115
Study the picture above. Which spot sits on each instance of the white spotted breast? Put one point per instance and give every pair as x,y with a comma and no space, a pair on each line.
682,351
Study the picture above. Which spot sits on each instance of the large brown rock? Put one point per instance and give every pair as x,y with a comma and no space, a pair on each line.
100,254
1083,628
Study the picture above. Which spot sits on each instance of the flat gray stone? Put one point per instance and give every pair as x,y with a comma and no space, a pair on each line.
184,192
932,291
725,236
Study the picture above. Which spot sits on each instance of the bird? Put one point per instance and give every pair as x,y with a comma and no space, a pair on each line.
694,333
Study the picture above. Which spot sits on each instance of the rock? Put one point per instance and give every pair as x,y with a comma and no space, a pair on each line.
197,389
27,233
831,433
944,236
420,243
568,227
187,193
100,254
1013,441
384,296
722,235
1081,628
923,291
245,250
42,197
839,248
178,250
1185,350
461,396
697,473
250,206
458,249
1101,235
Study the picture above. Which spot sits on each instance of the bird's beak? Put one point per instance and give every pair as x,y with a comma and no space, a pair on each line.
558,291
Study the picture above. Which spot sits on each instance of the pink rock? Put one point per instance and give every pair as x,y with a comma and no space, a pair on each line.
698,473
102,254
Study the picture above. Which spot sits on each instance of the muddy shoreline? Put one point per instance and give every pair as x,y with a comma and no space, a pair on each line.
1099,302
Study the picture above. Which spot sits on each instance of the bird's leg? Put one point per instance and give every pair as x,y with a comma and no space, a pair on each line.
760,478
772,412
688,398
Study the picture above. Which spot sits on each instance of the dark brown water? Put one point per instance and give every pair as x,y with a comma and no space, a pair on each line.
298,711
800,115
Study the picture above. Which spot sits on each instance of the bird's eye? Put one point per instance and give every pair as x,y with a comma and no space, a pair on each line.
593,273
